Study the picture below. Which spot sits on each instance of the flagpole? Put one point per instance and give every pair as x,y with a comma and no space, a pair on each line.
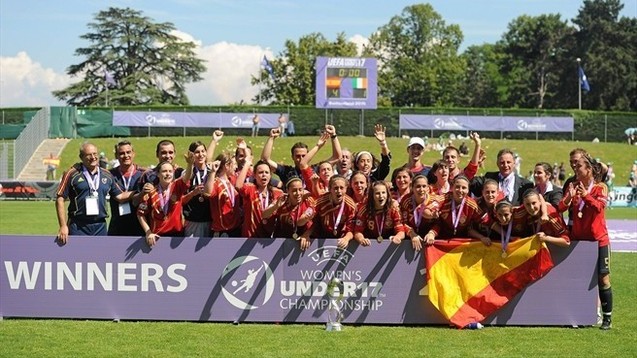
579,85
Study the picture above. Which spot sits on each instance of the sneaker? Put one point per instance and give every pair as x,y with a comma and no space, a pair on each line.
606,323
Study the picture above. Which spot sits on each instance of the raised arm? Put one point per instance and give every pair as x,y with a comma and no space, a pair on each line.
188,172
379,133
305,162
266,154
336,145
241,178
216,137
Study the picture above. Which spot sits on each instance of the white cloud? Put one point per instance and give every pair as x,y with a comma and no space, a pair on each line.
227,78
26,83
360,41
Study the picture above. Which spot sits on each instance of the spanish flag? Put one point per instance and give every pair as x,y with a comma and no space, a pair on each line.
468,281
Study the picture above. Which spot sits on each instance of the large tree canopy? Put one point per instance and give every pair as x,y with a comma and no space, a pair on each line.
131,61
418,58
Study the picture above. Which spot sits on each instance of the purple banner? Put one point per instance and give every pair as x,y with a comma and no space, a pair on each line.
622,196
259,280
193,119
346,83
486,123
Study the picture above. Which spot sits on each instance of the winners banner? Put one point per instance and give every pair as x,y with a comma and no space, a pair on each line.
260,280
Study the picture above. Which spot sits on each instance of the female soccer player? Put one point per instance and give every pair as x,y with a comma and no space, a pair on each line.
587,197
553,230
457,212
419,211
159,212
225,207
196,207
358,189
438,178
256,198
365,162
380,218
293,212
490,196
401,181
335,212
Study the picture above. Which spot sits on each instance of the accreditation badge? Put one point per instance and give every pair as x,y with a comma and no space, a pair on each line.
92,207
124,208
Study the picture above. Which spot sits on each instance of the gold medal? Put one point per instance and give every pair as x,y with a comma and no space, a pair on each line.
264,221
295,236
579,214
379,238
334,232
201,199
504,254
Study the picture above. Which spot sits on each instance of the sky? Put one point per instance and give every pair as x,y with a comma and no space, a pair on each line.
38,38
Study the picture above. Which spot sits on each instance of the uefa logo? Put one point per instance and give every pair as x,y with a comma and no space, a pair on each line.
247,282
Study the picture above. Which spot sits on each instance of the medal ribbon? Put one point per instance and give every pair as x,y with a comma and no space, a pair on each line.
93,182
296,219
455,215
581,203
164,198
337,220
200,178
417,211
264,203
507,238
381,225
229,190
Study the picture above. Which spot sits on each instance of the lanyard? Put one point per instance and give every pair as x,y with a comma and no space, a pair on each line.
164,198
93,182
298,214
455,215
200,176
130,173
229,190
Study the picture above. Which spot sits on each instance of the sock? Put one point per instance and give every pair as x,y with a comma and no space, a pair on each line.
606,297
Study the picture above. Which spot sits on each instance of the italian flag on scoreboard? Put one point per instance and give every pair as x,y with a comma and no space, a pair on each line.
468,281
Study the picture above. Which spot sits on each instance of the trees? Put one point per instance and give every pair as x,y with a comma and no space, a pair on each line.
418,58
131,61
607,45
535,53
479,85
294,80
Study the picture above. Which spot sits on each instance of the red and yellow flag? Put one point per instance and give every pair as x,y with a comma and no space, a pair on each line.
468,281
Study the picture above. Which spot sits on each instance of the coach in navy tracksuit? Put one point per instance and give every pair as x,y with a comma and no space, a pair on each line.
86,185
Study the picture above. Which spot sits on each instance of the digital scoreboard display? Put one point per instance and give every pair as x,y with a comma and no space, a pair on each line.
343,82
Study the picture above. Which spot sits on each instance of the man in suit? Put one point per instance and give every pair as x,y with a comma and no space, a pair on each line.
510,184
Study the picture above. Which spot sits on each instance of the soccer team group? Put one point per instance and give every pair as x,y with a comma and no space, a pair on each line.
347,196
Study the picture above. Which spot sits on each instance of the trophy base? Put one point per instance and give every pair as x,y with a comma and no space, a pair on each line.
333,327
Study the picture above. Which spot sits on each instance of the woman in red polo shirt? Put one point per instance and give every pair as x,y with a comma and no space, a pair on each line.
587,197
159,213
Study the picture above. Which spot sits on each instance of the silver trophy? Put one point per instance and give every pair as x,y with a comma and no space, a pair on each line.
334,314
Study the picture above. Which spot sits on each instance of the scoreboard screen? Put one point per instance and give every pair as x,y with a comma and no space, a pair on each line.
346,82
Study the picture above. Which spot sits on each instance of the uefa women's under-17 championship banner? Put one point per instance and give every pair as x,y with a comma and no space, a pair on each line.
263,280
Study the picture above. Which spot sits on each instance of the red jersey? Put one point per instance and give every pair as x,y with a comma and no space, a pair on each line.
469,171
375,224
591,226
466,215
253,205
165,220
410,213
333,220
287,216
316,190
554,227
225,207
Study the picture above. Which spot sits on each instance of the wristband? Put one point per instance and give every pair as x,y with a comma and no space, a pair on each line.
333,136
